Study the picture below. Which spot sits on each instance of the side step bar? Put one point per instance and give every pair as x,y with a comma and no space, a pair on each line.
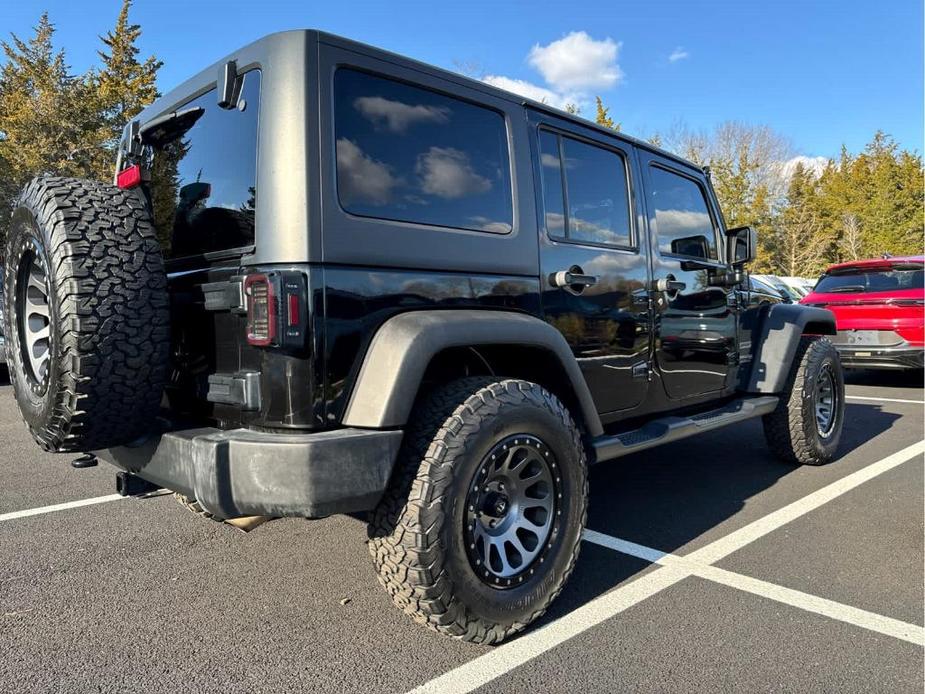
668,429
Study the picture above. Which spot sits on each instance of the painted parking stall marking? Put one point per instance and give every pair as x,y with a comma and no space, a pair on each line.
672,569
872,399
13,515
795,598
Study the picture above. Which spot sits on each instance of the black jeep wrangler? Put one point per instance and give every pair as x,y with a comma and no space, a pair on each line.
329,279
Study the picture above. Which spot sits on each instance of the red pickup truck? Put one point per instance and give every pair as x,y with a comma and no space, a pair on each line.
879,308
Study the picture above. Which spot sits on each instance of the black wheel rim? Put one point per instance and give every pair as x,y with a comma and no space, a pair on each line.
33,316
826,401
512,511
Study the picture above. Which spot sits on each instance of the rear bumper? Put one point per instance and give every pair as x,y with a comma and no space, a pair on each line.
902,357
243,473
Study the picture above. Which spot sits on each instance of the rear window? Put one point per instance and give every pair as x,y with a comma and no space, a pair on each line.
870,280
204,183
412,155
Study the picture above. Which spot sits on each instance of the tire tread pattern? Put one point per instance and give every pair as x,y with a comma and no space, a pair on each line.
406,527
790,429
113,335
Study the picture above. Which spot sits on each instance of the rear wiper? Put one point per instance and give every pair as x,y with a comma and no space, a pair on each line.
848,288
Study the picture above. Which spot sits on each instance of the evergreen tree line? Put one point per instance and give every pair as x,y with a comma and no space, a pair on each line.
56,122
807,216
856,206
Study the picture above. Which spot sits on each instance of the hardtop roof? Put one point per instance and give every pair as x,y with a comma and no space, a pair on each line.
166,101
336,40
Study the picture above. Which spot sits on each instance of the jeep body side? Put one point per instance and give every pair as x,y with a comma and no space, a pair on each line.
372,263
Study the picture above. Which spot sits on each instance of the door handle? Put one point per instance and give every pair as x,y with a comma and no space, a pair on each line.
573,278
669,284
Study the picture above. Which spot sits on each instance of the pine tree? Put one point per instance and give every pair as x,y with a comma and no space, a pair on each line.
124,86
603,116
43,114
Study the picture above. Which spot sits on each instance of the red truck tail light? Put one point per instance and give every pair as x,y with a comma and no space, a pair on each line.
261,310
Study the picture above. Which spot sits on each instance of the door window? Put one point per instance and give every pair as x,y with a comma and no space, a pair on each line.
681,213
585,191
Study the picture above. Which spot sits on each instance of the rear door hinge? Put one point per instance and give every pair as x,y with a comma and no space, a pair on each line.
224,296
241,389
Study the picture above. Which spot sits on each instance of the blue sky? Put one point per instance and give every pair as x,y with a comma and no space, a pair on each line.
821,73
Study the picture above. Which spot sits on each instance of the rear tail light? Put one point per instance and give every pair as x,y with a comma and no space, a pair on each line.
261,310
129,178
277,310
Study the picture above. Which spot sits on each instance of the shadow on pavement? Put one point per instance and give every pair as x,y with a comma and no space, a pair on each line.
666,497
884,378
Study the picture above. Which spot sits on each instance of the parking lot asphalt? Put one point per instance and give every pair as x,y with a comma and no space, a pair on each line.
733,572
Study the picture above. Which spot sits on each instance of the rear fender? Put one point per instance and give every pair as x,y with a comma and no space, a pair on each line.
404,346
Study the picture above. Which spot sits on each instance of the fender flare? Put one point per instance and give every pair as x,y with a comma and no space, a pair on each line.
404,345
775,339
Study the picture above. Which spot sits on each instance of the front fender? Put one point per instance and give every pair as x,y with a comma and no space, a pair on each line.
775,338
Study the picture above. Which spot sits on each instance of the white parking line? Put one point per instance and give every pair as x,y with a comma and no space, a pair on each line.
813,603
737,539
508,656
13,515
865,397
795,598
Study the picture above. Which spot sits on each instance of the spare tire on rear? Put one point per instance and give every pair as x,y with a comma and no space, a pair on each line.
86,311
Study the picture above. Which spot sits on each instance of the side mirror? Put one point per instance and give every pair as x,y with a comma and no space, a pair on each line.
741,246
691,247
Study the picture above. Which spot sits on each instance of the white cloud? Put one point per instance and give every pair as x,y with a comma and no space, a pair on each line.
486,224
447,173
678,54
671,222
549,160
397,116
527,89
577,63
362,178
816,165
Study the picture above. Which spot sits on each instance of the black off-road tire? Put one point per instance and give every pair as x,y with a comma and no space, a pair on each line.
792,430
416,533
107,313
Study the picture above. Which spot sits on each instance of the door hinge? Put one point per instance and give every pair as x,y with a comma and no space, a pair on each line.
241,389
224,296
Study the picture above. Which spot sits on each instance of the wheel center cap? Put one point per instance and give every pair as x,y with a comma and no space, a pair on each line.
496,505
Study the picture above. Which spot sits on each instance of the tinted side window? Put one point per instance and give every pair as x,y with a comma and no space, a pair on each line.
596,194
410,154
203,183
681,212
553,192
